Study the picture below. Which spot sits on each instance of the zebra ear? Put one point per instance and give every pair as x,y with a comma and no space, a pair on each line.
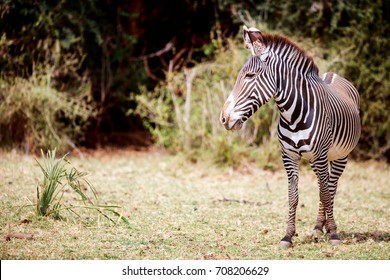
253,40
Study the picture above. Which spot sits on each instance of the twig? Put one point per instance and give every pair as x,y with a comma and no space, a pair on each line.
190,75
10,235
243,201
167,48
174,60
149,73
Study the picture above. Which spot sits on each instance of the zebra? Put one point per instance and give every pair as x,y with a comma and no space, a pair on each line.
319,118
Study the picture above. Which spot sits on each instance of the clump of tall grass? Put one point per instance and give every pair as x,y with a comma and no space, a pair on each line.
58,179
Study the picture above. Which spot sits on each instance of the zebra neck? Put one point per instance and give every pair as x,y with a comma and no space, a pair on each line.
291,56
297,103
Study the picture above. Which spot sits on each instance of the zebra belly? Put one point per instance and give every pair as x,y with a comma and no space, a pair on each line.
337,152
340,149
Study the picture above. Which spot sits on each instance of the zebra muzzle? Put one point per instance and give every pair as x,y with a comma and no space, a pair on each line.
227,123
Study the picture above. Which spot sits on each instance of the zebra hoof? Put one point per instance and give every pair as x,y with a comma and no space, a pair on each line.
316,234
285,244
334,240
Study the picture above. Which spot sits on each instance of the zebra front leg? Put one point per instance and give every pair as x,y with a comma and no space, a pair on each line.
292,166
321,217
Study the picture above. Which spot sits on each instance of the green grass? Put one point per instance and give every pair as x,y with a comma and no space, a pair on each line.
60,177
192,211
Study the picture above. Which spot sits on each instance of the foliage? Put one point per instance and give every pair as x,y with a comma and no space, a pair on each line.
46,94
118,44
36,115
80,44
57,180
45,32
365,61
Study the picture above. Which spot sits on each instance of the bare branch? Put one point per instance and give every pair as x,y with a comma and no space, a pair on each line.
149,73
167,48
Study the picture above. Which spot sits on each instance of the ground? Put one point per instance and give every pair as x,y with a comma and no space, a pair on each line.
182,210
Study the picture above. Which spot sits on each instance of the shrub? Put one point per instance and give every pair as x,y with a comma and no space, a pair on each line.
364,60
35,115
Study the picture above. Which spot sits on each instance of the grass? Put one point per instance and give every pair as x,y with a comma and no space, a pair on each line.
58,178
192,211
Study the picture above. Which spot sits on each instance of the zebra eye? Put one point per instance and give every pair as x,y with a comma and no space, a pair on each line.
250,75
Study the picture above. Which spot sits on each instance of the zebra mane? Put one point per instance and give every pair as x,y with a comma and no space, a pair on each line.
279,42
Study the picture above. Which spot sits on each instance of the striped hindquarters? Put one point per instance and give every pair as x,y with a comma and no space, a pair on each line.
343,109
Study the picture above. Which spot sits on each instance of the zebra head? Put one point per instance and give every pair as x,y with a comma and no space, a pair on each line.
254,85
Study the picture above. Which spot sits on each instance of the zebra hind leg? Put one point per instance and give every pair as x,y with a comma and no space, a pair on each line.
328,186
336,169
321,220
292,166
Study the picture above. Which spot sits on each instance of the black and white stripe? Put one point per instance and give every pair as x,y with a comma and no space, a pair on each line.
319,117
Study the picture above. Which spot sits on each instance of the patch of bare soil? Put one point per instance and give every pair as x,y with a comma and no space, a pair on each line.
116,144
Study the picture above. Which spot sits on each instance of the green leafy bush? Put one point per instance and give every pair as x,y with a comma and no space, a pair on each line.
366,63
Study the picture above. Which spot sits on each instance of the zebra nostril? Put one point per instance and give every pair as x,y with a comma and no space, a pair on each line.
223,120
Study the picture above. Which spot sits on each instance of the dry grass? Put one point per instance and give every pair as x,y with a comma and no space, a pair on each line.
193,211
